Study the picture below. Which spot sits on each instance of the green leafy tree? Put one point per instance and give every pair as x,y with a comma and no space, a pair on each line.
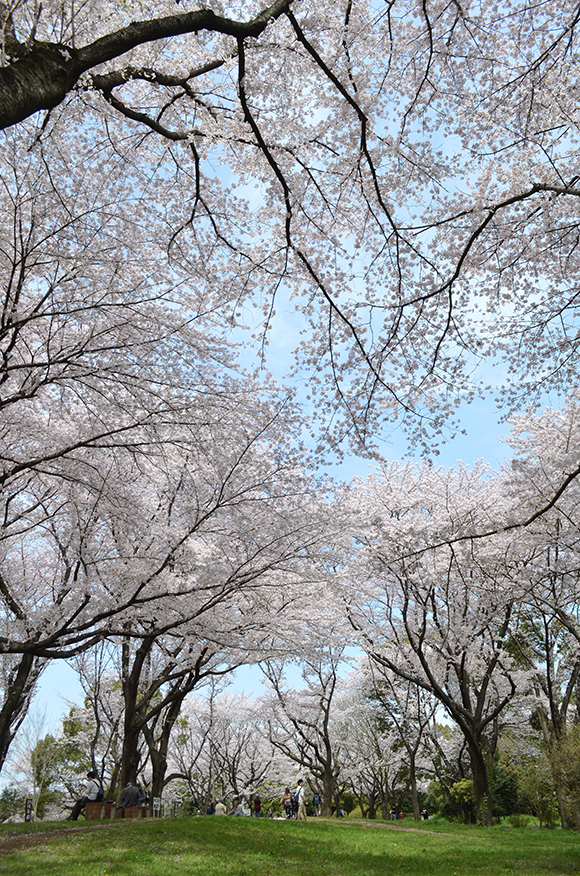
11,803
504,785
463,795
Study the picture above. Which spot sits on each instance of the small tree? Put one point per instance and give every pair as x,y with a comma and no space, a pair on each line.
12,801
33,765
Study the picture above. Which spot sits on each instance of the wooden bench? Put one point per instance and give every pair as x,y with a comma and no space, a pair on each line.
102,811
136,812
95,810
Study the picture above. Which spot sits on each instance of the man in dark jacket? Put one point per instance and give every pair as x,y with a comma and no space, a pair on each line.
131,796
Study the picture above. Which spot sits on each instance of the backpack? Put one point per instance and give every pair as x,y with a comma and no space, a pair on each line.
100,796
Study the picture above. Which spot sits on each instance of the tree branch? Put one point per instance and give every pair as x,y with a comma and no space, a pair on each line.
43,77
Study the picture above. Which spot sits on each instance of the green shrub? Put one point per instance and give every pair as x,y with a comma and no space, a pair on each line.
517,820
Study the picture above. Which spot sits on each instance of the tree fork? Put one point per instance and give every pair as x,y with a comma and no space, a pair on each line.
42,76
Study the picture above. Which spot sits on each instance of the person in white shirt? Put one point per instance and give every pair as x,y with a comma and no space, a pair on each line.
92,788
299,796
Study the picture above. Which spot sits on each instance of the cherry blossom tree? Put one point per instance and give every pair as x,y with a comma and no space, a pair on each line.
479,610
441,617
196,518
301,721
372,760
218,552
409,710
416,193
234,536
221,749
548,650
545,451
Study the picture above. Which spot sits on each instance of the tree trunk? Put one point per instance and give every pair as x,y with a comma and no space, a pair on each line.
158,748
158,770
563,805
386,807
132,722
328,790
414,791
483,802
19,684
129,756
111,791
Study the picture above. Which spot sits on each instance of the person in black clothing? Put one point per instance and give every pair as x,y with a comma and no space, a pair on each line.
131,796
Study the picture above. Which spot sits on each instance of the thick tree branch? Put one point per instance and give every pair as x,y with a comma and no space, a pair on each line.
43,77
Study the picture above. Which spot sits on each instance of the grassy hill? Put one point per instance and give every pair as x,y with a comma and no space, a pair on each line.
260,847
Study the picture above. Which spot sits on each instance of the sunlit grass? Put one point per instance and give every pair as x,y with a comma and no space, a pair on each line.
240,847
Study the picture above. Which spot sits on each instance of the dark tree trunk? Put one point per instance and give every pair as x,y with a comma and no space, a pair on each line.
483,801
385,807
158,748
414,792
328,783
133,714
20,682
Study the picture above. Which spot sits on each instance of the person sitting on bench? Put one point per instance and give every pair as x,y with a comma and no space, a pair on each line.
131,796
92,788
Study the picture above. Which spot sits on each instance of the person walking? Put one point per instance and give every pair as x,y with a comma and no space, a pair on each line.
300,799
286,803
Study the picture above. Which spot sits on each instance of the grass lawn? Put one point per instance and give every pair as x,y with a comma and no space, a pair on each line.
260,847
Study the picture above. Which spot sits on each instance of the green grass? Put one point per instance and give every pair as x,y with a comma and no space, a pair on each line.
252,847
